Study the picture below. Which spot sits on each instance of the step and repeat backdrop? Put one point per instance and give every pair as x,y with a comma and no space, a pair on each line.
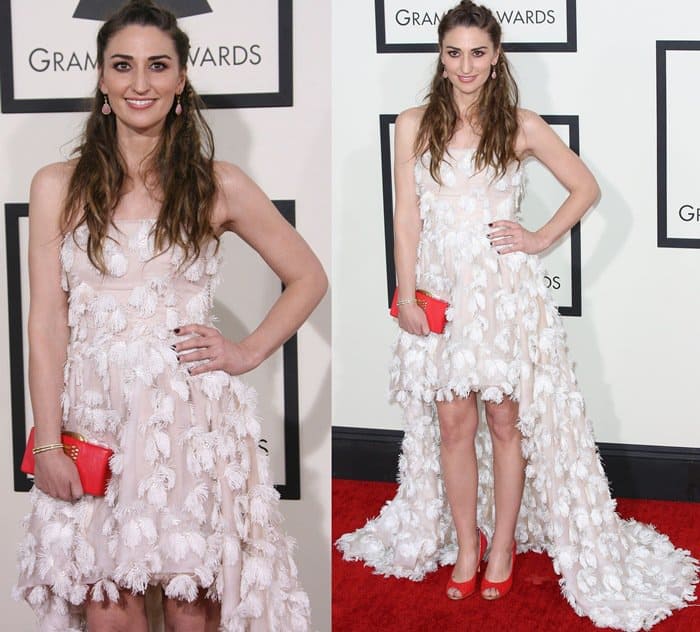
237,59
268,99
617,82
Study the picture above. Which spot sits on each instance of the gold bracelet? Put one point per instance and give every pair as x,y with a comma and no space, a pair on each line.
47,448
405,301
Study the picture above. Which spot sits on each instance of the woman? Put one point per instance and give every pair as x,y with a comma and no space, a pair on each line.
459,238
123,255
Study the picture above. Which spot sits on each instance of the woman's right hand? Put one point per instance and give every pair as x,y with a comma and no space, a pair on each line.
55,474
413,319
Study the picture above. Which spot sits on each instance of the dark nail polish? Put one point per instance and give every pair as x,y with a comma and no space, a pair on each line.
491,224
173,347
176,330
189,371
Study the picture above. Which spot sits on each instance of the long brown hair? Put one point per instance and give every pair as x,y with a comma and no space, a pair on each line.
496,111
181,166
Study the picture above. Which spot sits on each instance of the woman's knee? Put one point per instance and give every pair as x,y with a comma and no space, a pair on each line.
502,419
182,616
458,422
190,616
129,613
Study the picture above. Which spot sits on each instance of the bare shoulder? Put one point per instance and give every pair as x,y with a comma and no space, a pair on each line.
230,178
48,193
531,125
229,181
411,116
532,130
226,172
53,178
409,120
406,132
530,121
236,193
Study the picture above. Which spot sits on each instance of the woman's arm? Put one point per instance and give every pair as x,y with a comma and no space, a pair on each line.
55,473
247,211
539,140
407,221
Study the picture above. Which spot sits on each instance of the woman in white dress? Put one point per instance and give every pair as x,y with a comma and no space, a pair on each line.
123,257
459,182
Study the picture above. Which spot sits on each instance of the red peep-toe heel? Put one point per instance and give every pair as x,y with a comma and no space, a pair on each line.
468,587
501,588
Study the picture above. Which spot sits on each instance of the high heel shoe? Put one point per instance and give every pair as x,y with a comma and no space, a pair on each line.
468,587
501,588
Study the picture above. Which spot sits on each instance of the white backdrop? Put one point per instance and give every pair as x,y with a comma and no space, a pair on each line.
635,344
233,51
287,151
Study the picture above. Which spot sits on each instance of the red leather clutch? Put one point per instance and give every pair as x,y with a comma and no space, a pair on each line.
434,309
91,460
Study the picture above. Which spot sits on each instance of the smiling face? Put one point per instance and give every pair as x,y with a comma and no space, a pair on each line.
141,77
468,55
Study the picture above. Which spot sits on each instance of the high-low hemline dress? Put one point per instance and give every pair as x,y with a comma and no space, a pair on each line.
504,338
189,507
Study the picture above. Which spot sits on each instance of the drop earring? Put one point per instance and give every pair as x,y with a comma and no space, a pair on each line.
444,74
178,107
106,109
493,74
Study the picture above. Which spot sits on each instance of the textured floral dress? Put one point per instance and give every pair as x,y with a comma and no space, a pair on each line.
505,338
189,505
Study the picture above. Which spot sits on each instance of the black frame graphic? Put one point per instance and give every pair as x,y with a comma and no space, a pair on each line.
662,238
290,490
102,9
385,122
284,97
569,46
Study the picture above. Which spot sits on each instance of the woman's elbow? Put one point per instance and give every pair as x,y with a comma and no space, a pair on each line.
317,282
321,282
588,191
595,191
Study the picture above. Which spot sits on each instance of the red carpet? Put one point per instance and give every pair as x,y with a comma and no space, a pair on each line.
363,602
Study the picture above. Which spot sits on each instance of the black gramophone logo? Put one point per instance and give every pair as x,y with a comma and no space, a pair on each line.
102,9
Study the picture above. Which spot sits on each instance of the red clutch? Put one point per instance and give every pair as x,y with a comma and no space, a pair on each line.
434,309
91,460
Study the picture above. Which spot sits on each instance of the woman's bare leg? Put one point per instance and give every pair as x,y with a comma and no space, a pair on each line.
126,615
459,420
201,615
509,477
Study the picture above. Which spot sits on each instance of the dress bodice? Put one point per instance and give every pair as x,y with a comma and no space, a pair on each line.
151,292
466,194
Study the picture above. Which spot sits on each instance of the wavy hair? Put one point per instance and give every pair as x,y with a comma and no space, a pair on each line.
180,167
495,112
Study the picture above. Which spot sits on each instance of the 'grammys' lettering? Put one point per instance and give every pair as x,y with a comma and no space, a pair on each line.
407,17
41,59
689,213
404,17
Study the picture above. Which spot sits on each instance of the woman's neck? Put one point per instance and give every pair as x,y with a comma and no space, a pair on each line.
136,147
466,104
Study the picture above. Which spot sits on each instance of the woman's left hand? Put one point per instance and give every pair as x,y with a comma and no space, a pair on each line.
221,354
507,236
